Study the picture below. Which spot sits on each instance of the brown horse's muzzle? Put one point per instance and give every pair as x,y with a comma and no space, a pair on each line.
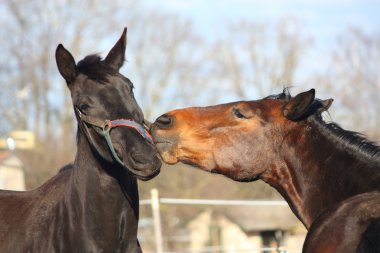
165,138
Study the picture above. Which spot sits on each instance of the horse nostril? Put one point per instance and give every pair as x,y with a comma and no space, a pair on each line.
164,121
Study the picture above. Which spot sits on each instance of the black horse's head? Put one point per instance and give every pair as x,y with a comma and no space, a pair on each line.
107,111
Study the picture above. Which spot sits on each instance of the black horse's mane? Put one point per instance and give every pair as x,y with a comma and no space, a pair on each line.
94,67
358,141
66,167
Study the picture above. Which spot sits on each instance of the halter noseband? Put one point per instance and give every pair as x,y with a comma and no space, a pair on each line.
107,125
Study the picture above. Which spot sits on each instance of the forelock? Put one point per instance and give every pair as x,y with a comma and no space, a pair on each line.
94,67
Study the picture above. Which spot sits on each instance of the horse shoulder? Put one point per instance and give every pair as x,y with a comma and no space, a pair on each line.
26,214
353,225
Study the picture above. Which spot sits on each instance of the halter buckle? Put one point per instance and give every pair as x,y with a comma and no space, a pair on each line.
107,125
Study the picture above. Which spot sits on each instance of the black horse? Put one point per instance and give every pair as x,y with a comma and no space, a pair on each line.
92,206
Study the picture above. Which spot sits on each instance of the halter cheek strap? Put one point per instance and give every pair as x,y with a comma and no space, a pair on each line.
107,125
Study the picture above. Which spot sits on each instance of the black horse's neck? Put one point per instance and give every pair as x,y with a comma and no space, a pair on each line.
322,170
105,198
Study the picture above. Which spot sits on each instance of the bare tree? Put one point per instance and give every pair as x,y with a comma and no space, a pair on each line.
165,62
33,96
259,58
164,56
353,78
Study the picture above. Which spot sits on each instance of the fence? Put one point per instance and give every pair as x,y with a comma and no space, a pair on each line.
156,201
247,250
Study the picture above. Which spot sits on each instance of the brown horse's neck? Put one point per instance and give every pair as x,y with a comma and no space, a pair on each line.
317,170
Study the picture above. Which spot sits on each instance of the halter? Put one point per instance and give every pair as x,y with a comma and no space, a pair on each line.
107,125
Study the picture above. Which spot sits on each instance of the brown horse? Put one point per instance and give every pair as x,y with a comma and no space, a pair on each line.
283,141
93,204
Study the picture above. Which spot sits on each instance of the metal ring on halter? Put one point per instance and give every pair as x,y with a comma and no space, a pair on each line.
106,133
107,125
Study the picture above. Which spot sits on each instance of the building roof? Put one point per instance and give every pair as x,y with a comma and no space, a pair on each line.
259,218
8,158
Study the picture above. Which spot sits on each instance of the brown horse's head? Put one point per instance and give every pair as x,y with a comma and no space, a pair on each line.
240,140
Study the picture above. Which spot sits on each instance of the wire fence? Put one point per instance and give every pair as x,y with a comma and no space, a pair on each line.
215,202
155,203
241,250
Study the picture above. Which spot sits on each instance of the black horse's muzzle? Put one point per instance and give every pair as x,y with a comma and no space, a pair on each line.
143,166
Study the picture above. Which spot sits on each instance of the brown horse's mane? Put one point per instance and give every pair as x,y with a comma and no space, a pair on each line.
357,141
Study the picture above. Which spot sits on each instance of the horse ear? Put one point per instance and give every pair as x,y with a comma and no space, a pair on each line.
66,64
116,56
325,104
297,107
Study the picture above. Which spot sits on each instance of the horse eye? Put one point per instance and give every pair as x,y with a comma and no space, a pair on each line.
84,107
238,114
129,88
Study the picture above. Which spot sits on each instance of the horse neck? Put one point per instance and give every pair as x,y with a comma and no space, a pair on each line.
316,171
94,187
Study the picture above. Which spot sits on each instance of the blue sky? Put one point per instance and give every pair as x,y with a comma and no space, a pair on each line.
323,17
323,20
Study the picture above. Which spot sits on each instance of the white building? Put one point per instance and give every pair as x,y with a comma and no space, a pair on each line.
238,229
11,172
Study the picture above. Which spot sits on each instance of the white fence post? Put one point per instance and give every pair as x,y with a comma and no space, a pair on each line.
157,220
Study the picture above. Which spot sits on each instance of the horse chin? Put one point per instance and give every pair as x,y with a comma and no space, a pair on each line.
143,169
245,179
193,164
168,158
167,152
145,176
